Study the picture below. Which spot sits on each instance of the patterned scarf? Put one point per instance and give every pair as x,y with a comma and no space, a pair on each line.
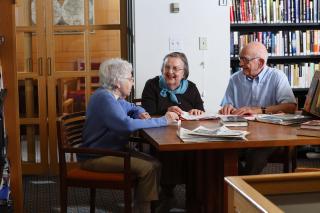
172,93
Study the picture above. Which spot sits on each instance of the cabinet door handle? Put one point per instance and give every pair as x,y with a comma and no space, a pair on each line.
49,66
40,66
2,39
30,64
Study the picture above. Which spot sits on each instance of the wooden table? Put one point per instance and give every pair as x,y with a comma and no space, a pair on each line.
212,161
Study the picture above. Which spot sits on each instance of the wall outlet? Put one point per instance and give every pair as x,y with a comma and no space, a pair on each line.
175,44
203,43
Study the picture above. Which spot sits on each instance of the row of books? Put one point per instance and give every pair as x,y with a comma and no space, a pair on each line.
281,43
275,11
299,75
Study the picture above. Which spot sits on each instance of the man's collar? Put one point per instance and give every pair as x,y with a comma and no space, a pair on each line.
259,77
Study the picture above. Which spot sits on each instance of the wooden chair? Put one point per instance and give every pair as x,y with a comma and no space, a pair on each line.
287,156
71,175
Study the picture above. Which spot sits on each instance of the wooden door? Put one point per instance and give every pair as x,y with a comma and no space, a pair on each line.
31,75
74,38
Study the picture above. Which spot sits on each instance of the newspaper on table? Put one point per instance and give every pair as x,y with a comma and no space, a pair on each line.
203,116
203,134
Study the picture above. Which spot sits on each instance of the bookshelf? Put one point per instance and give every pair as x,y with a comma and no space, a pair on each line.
290,30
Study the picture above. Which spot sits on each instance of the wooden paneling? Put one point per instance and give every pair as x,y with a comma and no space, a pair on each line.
7,57
107,12
70,48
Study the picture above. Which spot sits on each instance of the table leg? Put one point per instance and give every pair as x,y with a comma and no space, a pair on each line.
206,190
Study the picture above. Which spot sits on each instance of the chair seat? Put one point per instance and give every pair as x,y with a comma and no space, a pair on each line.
81,174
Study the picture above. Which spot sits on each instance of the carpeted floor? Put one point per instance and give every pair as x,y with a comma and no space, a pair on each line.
42,194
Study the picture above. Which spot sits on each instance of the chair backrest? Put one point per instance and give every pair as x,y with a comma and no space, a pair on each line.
70,134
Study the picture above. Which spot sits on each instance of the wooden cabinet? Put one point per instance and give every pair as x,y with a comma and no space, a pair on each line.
55,37
294,192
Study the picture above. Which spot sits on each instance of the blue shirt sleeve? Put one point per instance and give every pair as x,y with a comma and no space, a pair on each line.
229,95
284,92
115,117
131,109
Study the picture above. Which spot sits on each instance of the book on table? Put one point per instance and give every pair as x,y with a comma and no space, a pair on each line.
232,120
203,134
313,124
308,132
283,119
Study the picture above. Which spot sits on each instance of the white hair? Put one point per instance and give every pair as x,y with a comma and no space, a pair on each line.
112,70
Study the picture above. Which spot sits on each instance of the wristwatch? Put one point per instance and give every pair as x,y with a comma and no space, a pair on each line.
263,110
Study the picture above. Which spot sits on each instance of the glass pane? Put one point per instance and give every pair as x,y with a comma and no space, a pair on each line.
106,12
104,44
30,143
28,98
26,13
71,95
26,52
69,50
94,83
68,12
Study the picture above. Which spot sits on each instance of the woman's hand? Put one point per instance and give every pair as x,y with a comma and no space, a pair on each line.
196,112
171,117
144,115
175,109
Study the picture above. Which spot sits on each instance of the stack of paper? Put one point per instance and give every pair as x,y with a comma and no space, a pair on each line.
283,119
203,134
204,116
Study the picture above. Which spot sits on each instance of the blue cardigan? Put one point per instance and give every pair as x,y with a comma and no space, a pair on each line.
109,122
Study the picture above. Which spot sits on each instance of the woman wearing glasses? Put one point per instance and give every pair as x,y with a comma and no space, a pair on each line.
110,119
171,91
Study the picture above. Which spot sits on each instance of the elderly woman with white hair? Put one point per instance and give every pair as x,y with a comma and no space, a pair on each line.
111,119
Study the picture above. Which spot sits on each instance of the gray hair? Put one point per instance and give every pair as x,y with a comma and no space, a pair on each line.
112,70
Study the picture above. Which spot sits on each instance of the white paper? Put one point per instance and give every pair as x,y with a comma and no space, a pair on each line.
204,116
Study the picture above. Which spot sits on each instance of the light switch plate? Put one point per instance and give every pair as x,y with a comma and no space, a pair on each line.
203,43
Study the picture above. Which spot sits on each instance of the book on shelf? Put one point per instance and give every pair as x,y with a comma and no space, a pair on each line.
313,124
274,11
308,132
203,134
280,42
204,116
283,119
231,120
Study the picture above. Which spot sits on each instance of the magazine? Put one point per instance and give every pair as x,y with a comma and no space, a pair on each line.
313,124
203,134
232,120
283,119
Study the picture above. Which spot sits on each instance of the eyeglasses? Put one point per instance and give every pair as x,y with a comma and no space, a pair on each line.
167,68
130,79
246,60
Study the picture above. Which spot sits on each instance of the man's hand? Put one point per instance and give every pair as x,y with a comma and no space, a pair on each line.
247,111
144,115
175,109
171,117
196,112
227,109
